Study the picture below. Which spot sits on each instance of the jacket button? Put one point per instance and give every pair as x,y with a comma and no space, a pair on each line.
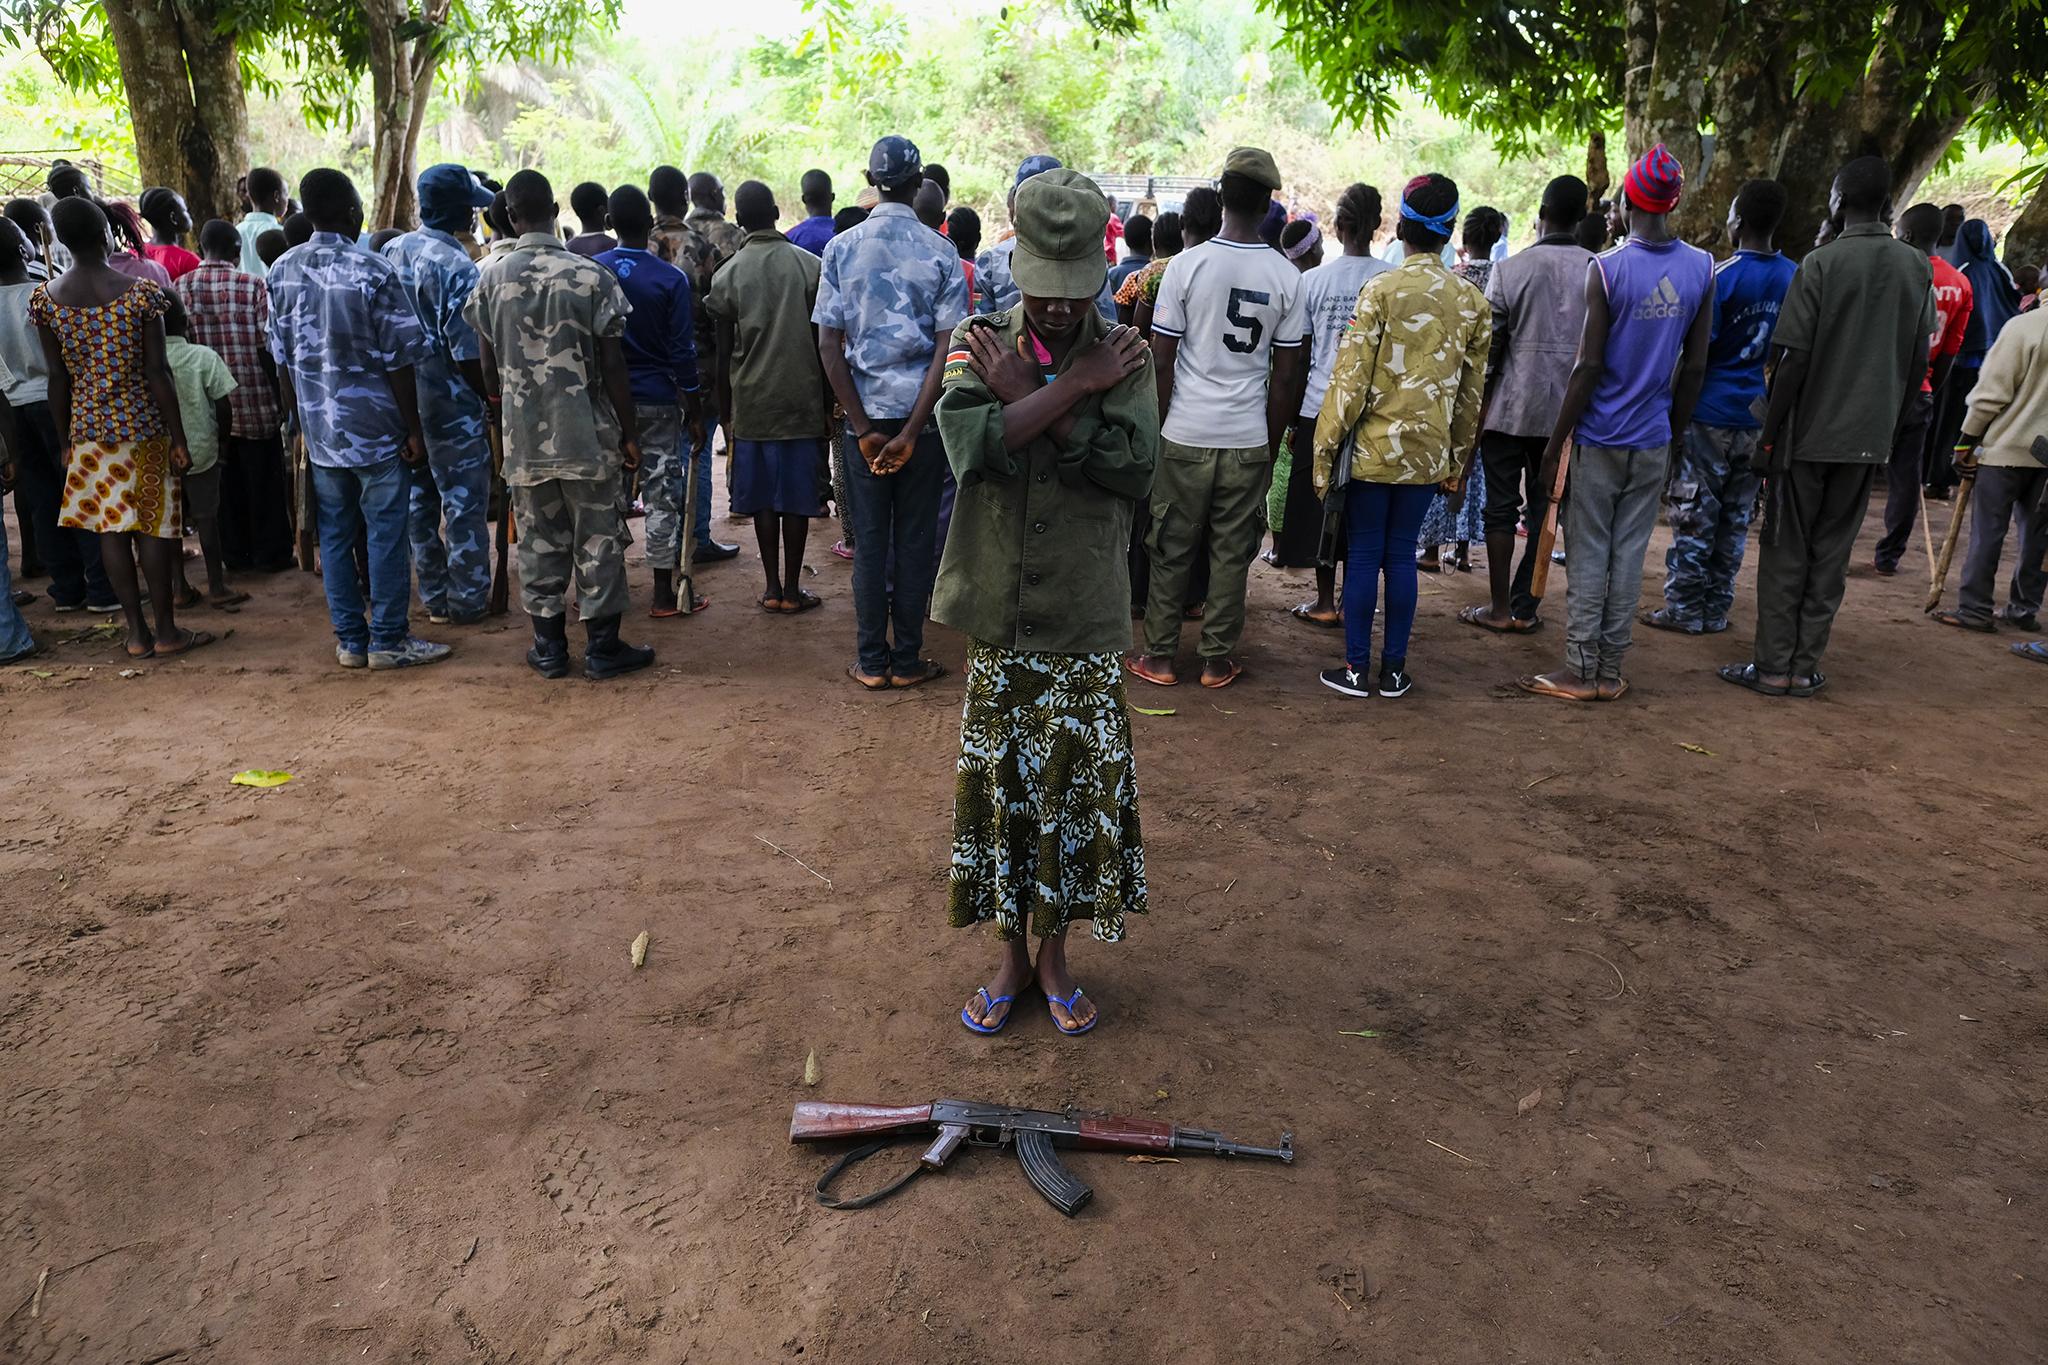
1032,580
1043,477
1039,529
1029,629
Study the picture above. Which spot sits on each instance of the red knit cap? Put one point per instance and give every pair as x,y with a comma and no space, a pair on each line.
1654,182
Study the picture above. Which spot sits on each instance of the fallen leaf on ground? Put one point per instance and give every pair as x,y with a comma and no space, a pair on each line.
131,672
1697,749
259,777
1358,1033
1529,1101
640,948
812,1072
1155,711
1159,1094
1142,1160
41,673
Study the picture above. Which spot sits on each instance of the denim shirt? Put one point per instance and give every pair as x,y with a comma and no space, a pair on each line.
891,285
439,277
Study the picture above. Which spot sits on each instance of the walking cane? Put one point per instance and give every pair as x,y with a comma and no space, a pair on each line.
1948,544
1546,539
305,506
1927,535
501,578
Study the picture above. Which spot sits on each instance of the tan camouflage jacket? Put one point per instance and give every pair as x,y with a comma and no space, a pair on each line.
1409,377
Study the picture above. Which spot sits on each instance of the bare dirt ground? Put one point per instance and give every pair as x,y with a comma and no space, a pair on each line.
357,1068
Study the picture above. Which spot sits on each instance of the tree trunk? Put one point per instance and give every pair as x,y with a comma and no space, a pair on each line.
1598,180
401,82
168,49
2026,241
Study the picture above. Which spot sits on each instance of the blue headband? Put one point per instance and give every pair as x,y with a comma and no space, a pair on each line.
1443,225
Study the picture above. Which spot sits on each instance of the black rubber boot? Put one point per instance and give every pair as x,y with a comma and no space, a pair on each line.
549,656
607,656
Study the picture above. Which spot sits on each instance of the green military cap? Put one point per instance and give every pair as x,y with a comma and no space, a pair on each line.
1255,163
1060,220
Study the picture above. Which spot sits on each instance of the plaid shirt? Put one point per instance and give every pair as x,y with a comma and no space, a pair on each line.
230,312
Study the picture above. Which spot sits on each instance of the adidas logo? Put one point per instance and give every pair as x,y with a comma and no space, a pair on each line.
1662,302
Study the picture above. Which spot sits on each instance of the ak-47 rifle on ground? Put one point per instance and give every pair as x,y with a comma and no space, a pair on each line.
1034,1133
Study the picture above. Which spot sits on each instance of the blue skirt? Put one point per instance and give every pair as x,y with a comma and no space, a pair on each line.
778,476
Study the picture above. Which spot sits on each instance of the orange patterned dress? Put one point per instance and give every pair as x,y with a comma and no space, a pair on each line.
118,469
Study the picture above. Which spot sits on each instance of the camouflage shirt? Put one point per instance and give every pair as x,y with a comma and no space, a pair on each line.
439,277
892,285
677,241
1408,377
340,323
541,308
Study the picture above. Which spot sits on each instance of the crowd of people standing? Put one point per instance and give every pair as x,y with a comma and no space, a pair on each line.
1033,442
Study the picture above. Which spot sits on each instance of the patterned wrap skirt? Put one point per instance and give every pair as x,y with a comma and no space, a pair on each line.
123,486
1045,806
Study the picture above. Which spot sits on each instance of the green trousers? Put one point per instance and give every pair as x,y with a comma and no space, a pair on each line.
1197,488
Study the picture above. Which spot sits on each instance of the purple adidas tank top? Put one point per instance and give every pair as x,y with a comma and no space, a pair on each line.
1654,291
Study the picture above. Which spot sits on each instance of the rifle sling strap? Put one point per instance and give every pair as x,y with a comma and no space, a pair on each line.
859,1154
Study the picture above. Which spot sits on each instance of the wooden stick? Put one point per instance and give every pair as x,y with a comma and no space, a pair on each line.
305,506
1546,540
1927,535
501,540
1948,544
799,862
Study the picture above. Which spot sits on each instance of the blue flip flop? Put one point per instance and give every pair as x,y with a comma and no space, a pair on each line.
1068,1005
2034,650
993,1001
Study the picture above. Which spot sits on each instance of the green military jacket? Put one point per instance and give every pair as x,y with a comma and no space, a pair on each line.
1037,557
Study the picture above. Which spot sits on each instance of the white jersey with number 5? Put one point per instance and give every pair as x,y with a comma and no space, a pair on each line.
1228,304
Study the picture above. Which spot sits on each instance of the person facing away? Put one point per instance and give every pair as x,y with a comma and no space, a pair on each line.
1851,347
551,324
115,410
816,228
1137,253
34,222
1141,286
1994,301
992,268
347,345
2004,444
1641,361
660,345
169,220
129,245
889,296
929,205
1405,388
1915,463
589,202
682,237
963,230
1456,513
270,201
228,312
1329,298
1538,300
203,383
1301,242
772,394
71,556
1229,338
1050,423
1713,494
449,507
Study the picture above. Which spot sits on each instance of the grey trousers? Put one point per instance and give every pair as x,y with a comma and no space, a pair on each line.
2002,489
1804,563
1608,519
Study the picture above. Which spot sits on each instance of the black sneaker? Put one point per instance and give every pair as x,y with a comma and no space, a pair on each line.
1350,681
1394,681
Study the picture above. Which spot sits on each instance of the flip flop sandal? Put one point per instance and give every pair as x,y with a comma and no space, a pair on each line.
806,600
770,604
1619,693
928,671
189,601
148,651
878,685
194,639
1811,687
1663,618
988,1030
1960,622
1218,684
1138,671
1195,613
1745,675
228,603
1423,566
697,604
1540,686
2034,650
1305,612
22,597
1068,1005
1476,616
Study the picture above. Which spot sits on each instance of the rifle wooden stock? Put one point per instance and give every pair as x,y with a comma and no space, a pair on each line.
1124,1135
820,1121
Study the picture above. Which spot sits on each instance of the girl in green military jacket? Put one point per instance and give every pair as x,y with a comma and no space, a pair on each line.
1051,423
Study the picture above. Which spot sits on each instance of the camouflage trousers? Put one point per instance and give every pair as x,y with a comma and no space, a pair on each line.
449,527
571,524
664,484
1713,498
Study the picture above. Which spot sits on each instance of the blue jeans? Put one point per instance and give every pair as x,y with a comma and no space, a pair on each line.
368,499
700,456
895,520
14,637
454,567
1381,521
